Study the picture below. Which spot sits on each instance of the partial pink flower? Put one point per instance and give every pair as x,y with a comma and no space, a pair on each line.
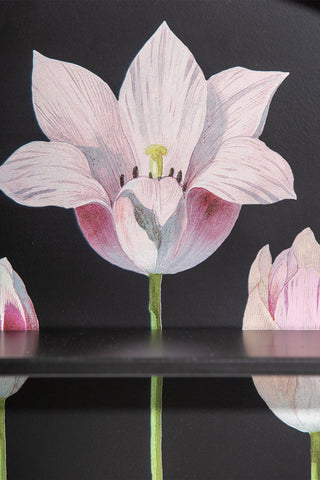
16,313
196,139
285,295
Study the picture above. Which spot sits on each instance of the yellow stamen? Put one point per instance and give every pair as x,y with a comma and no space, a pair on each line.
156,163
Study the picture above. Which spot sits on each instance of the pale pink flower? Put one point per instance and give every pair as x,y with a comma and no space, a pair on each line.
201,135
285,295
16,313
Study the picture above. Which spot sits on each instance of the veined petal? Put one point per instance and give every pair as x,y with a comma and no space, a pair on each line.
257,315
307,250
142,214
75,106
246,171
260,269
238,104
298,305
97,225
16,308
50,173
209,222
283,269
163,100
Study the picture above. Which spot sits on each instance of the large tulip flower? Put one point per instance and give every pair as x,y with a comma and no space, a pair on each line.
157,177
16,313
285,295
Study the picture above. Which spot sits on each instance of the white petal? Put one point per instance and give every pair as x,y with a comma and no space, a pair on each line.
307,250
75,106
260,269
257,315
163,100
238,104
246,171
50,173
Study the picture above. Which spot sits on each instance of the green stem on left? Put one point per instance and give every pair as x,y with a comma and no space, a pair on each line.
156,382
3,459
315,455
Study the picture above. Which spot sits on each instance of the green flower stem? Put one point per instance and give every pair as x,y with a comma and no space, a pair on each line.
315,455
3,460
156,382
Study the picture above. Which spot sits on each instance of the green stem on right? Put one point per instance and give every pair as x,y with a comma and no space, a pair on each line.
3,459
156,382
315,455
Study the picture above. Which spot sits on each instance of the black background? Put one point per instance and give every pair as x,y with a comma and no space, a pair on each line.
213,429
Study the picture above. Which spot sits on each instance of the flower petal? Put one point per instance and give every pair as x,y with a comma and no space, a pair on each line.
246,171
142,214
97,225
10,385
257,315
163,100
209,222
50,173
75,106
16,308
238,104
283,269
298,305
293,399
307,250
260,269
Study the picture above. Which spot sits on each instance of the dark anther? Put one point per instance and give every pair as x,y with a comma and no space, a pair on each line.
184,188
150,175
179,176
135,172
171,172
121,180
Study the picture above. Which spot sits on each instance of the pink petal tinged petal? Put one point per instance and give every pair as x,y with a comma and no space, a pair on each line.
260,269
210,220
160,196
16,308
75,106
298,305
284,268
97,225
257,315
150,217
307,250
50,173
238,104
246,171
163,100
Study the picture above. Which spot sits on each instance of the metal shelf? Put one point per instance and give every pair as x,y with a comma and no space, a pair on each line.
175,352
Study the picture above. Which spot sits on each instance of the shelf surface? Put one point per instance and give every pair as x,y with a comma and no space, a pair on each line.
175,352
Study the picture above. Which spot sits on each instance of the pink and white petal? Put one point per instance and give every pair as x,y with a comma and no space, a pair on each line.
97,225
257,315
298,305
283,269
12,314
307,250
161,196
50,173
209,222
238,104
260,269
246,171
139,233
29,311
163,100
10,385
279,393
307,402
75,106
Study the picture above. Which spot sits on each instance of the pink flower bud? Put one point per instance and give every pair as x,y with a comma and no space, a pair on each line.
16,313
285,295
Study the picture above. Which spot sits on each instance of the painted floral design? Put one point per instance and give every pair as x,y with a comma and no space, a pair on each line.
16,313
157,177
284,295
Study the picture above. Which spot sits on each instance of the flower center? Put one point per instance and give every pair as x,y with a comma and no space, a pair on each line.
156,153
